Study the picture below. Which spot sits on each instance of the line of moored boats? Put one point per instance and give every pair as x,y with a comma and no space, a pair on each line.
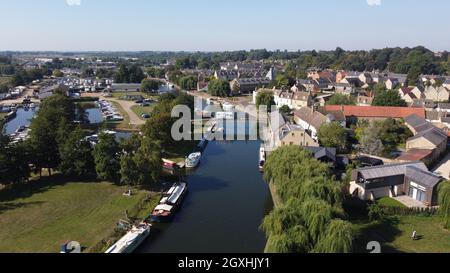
109,111
169,204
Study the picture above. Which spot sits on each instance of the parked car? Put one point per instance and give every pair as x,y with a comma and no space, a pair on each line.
146,116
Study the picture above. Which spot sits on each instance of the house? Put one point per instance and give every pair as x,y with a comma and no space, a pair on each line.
446,84
392,83
296,135
283,133
311,120
342,88
366,78
353,81
248,85
439,94
412,179
326,155
301,99
363,100
418,92
353,113
426,137
47,91
423,103
227,75
407,95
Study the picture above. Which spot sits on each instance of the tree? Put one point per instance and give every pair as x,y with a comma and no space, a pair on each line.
333,135
219,88
106,158
159,128
310,214
14,161
76,155
57,73
265,99
150,86
53,124
381,137
444,202
285,110
340,99
388,98
338,238
129,74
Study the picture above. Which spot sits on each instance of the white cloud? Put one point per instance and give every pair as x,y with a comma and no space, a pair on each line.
73,2
374,2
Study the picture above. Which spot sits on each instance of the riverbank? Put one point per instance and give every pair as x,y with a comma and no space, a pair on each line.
51,211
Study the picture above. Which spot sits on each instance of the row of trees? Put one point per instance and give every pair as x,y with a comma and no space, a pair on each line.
56,143
311,218
127,73
23,77
397,60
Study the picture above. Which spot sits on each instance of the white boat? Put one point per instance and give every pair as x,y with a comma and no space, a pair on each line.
262,157
193,160
131,240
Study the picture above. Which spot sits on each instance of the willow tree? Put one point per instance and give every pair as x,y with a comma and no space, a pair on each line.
317,215
338,238
444,202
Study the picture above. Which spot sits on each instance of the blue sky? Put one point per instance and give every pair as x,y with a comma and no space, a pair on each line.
212,25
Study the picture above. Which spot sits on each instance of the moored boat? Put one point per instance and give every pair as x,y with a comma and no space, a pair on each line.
193,160
131,240
170,202
262,157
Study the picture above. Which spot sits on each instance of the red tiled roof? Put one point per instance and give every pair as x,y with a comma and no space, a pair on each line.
415,155
377,111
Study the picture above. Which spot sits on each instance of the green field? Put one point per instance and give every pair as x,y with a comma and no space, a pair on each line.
395,235
42,218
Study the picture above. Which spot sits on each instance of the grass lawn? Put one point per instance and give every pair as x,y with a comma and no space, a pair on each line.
40,219
395,235
139,110
389,202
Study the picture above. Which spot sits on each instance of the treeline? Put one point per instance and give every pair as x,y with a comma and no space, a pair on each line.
24,77
311,218
397,60
129,73
56,143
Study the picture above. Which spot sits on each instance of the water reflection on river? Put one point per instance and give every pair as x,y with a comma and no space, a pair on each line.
224,208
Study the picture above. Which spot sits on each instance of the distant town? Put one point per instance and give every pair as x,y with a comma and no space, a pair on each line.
355,150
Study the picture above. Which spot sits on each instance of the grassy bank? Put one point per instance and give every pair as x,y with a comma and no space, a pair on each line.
41,218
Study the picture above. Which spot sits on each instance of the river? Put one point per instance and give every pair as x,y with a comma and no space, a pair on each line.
224,208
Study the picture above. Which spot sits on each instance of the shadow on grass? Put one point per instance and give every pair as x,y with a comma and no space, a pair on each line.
39,186
12,205
384,231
